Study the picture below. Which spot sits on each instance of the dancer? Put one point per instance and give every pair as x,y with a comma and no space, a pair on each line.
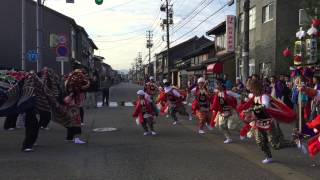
162,105
201,105
261,111
144,112
151,91
74,100
223,104
174,99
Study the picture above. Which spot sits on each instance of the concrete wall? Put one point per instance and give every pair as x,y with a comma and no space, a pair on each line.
287,26
263,37
10,34
268,40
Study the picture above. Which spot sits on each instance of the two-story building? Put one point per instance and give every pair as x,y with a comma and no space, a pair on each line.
272,24
57,29
192,64
223,61
176,54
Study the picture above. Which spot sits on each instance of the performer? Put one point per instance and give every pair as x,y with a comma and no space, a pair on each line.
201,105
314,142
261,111
144,112
163,105
151,90
75,86
174,99
223,104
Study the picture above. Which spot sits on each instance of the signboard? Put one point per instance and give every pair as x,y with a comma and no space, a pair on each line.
230,33
62,51
32,56
62,59
57,39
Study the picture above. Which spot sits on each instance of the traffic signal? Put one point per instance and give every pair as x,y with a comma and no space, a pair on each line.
99,2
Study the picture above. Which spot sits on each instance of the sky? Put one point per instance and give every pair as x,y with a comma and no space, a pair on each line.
118,27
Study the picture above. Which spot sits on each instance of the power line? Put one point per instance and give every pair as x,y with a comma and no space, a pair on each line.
131,38
189,14
109,8
120,34
200,23
193,16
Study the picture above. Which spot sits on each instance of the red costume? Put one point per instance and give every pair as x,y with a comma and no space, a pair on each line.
163,103
201,106
151,88
143,108
277,110
314,143
220,103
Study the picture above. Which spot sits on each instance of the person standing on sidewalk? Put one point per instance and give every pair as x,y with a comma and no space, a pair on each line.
91,92
105,87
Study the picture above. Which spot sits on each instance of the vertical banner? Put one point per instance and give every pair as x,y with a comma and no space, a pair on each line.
230,34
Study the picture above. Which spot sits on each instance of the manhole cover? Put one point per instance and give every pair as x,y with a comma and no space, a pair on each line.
105,129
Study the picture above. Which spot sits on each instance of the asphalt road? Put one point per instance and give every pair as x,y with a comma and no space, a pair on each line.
177,153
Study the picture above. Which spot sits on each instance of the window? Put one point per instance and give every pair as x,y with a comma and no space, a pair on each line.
251,67
252,18
221,42
267,13
241,23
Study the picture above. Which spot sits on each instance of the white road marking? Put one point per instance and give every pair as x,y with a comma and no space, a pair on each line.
113,104
128,104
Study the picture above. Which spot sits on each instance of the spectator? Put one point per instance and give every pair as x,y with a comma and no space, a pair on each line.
266,86
316,82
255,77
105,86
227,82
91,92
239,85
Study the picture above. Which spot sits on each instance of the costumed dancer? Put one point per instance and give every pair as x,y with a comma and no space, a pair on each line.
175,102
314,142
163,105
261,111
144,113
201,105
222,106
74,101
151,89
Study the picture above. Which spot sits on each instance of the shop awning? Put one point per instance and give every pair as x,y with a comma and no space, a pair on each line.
215,68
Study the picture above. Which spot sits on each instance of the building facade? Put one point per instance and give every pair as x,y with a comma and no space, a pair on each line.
176,54
272,24
55,25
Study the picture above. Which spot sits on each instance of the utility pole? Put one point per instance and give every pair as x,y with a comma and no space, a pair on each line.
23,35
168,21
39,35
140,65
149,46
245,52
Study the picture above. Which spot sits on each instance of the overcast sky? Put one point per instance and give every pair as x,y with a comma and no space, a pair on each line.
119,27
